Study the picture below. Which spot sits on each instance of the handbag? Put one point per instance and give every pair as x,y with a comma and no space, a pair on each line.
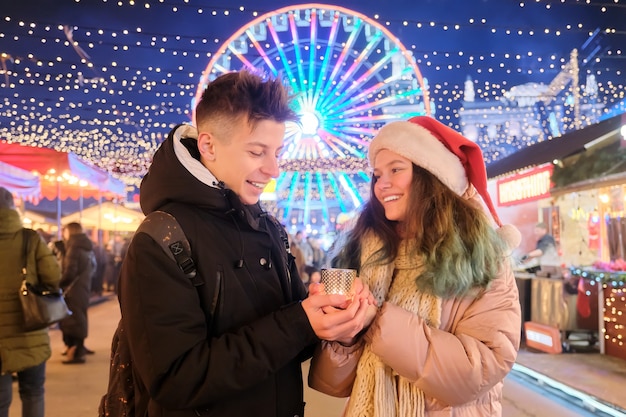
41,307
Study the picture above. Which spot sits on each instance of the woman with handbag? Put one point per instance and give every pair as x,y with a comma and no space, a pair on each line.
78,267
22,352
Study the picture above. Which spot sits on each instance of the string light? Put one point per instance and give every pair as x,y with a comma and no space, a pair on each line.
613,286
114,102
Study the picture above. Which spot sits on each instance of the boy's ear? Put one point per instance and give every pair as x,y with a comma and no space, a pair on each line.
206,146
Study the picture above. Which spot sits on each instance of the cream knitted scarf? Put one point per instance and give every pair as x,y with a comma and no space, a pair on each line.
378,390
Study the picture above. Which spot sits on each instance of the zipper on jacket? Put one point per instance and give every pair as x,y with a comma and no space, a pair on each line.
215,301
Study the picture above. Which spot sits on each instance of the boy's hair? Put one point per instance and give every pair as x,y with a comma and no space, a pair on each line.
243,96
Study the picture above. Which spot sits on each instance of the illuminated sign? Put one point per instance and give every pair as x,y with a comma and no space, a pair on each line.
521,188
542,337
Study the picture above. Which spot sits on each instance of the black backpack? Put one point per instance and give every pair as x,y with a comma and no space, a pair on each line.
120,399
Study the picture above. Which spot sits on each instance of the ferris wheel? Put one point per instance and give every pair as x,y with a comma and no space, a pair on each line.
350,76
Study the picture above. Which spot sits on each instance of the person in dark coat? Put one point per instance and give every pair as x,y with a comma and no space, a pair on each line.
231,345
97,281
79,265
22,352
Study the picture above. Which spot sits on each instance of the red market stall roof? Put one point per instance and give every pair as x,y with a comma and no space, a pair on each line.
61,174
20,182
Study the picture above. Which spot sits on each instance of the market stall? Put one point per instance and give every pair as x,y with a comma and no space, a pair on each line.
609,282
560,314
62,175
108,216
575,184
20,182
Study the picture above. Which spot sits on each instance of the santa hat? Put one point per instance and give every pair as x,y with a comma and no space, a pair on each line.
455,160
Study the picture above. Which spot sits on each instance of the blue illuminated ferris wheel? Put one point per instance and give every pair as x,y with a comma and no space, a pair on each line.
350,76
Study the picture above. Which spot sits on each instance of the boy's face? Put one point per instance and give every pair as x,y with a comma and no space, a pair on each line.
247,160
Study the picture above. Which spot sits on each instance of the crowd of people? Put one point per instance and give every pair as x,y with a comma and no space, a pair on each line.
432,323
310,256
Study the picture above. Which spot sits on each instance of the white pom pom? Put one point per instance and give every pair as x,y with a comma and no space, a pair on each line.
510,235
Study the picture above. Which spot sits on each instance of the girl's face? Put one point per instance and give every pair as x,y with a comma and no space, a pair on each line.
393,175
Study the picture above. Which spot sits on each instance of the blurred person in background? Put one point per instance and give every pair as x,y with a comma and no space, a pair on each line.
318,255
116,251
97,282
313,276
58,249
79,265
305,247
545,253
298,256
22,352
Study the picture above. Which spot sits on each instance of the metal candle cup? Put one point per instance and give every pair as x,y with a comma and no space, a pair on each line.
338,281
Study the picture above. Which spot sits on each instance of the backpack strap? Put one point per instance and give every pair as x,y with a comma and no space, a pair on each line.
121,398
24,252
281,231
167,232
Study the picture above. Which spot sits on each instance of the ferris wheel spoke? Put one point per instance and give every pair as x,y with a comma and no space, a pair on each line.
329,140
220,69
365,119
362,80
333,184
307,193
342,144
321,188
364,176
262,52
241,57
292,194
370,91
350,188
359,131
312,49
379,103
341,136
296,50
356,65
332,38
341,59
283,56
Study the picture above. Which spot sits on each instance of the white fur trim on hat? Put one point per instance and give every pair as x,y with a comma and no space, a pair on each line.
417,144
